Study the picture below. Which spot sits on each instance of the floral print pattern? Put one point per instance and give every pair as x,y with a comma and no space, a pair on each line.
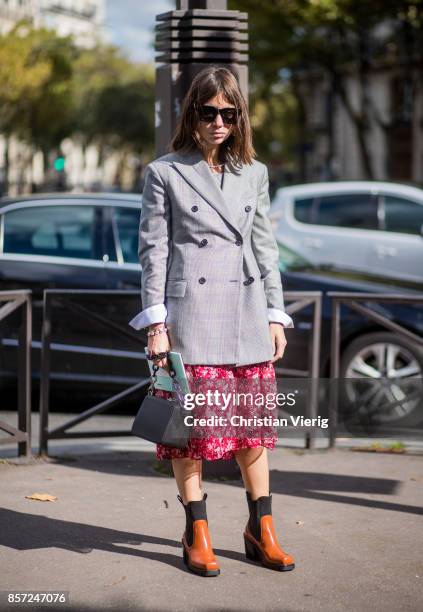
222,447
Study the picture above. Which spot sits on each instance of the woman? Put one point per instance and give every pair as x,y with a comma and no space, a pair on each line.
211,290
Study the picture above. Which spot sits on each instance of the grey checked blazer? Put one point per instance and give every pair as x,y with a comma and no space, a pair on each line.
210,262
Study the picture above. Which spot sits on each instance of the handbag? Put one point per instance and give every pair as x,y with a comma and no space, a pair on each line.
161,420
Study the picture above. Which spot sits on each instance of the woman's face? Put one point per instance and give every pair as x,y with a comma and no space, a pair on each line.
215,132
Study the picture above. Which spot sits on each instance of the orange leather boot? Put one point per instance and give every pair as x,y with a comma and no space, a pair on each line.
260,540
197,548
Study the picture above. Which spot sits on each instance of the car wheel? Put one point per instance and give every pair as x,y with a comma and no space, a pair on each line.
381,382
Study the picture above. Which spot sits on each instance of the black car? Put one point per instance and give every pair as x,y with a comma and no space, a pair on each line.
90,241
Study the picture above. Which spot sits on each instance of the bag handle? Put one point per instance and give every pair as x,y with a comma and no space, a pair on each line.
176,387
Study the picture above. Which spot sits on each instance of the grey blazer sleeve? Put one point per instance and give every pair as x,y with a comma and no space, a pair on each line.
154,238
265,247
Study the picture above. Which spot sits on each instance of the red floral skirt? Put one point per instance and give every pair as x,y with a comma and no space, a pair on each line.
213,447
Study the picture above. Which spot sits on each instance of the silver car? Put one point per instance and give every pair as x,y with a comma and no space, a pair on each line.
368,226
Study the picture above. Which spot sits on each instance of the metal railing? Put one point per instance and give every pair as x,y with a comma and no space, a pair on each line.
22,300
67,298
352,299
302,299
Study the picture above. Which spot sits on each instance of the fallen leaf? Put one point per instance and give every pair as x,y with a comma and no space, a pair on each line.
42,497
117,581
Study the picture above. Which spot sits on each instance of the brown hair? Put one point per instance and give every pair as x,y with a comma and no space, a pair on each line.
209,82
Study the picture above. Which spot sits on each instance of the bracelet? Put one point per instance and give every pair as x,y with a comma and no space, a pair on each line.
158,355
159,330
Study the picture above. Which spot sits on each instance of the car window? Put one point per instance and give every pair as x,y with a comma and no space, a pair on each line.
402,215
342,210
357,211
60,231
127,223
303,209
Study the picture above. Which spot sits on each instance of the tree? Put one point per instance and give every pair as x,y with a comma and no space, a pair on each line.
332,39
114,104
35,97
114,99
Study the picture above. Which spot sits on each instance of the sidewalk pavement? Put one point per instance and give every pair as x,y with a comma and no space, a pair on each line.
352,520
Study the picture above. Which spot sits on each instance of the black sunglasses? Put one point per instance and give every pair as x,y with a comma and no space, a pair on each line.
209,113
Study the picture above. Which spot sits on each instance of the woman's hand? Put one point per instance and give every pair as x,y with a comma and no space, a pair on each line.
279,342
159,343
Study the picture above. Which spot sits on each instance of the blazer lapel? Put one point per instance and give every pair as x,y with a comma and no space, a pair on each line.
194,169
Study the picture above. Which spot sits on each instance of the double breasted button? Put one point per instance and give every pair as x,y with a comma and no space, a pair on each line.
194,208
247,208
203,242
202,280
238,242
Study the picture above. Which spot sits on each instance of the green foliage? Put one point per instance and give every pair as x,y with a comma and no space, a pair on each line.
114,100
35,97
298,40
51,90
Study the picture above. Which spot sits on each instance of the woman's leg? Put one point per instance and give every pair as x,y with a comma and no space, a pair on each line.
254,469
261,543
197,547
188,476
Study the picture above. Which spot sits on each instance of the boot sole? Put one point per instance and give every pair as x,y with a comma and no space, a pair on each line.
254,554
197,570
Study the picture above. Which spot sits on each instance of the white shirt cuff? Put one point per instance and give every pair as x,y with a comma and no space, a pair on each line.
278,316
152,314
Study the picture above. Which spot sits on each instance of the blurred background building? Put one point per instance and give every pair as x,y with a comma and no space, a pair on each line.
83,19
393,148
